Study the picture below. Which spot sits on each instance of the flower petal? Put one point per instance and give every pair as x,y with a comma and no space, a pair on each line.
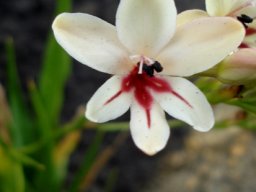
92,42
200,44
224,7
187,104
218,7
145,26
250,11
108,102
153,138
189,15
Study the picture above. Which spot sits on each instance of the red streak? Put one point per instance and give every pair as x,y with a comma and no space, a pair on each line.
141,84
243,45
250,31
148,117
113,97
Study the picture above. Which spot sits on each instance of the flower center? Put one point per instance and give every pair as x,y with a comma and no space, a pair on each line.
142,82
147,65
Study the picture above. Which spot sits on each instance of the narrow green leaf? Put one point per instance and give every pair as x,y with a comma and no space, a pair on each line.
56,69
11,174
45,154
21,127
48,101
89,159
247,106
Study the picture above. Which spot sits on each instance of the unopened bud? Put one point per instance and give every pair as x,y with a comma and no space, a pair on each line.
238,68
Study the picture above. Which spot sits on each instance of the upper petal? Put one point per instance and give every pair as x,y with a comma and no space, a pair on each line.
145,26
219,7
225,7
186,103
109,101
189,15
92,42
153,138
200,44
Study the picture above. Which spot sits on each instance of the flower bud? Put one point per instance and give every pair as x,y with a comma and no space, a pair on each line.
238,68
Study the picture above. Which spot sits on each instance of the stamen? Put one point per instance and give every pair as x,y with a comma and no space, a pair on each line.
149,70
146,64
245,19
157,66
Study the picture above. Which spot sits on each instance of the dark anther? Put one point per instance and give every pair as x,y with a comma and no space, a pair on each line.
157,66
149,70
245,19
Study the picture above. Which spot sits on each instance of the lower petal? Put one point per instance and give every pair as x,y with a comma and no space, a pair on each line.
187,104
149,137
109,101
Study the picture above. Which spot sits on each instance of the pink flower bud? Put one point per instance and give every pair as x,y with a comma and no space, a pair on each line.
238,68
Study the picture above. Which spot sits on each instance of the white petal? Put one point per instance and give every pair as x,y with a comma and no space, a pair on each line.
109,101
92,42
153,138
250,11
225,7
189,15
200,44
145,26
187,103
219,7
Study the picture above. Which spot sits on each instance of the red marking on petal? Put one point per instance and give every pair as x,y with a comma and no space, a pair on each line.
113,97
243,45
182,98
250,31
141,84
148,117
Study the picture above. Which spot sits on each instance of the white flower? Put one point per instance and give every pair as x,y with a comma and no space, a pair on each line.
146,34
232,8
236,9
238,67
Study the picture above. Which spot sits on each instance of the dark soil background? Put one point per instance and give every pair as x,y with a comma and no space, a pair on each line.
29,21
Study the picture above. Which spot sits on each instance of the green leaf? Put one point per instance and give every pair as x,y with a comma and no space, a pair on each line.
11,174
48,101
56,69
88,161
246,105
21,126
